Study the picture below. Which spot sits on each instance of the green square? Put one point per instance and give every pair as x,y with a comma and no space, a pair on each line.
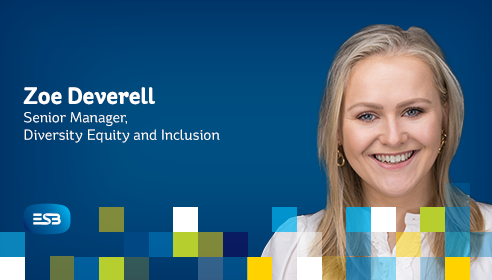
432,219
111,219
185,244
111,268
61,268
210,244
136,268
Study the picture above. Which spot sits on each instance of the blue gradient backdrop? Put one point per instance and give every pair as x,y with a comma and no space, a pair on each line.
252,70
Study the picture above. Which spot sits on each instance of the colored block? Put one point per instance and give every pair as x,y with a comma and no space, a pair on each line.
111,268
136,244
86,268
358,268
457,268
210,244
185,219
284,219
408,245
260,268
173,268
185,244
383,268
481,244
61,268
358,219
309,268
432,219
111,219
235,268
457,219
136,268
210,269
432,268
235,244
383,219
457,195
458,244
13,268
358,244
160,244
12,244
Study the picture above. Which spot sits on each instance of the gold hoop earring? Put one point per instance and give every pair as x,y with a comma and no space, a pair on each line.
340,155
443,141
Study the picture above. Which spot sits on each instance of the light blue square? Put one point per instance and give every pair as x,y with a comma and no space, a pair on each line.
457,219
458,244
481,244
457,195
358,268
383,268
432,268
358,219
160,244
284,219
86,268
358,244
12,244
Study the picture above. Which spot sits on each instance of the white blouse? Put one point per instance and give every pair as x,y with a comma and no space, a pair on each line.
286,247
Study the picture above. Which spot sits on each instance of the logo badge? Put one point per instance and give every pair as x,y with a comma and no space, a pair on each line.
47,218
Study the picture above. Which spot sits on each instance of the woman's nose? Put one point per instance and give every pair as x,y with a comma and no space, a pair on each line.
393,134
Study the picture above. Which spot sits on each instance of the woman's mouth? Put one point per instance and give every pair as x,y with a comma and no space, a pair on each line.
393,158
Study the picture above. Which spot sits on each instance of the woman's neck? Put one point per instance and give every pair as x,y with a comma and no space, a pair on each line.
422,195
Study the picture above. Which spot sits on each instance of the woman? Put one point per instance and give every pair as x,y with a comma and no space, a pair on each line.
389,126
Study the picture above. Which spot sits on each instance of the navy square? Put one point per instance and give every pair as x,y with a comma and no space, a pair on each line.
235,244
136,244
173,268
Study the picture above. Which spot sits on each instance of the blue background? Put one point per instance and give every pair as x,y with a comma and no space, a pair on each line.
252,70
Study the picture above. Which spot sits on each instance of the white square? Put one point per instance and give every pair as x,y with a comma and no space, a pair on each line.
13,268
310,268
383,219
185,219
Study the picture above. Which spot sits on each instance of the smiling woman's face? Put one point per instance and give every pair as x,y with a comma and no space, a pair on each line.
391,124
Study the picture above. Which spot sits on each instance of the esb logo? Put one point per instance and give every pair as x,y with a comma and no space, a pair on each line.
47,218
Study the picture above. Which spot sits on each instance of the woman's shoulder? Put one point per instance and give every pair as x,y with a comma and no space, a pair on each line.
310,222
486,210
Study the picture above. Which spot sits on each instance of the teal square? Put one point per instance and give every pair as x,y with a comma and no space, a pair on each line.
458,244
284,219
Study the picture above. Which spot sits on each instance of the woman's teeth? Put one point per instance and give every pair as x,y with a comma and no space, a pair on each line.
394,159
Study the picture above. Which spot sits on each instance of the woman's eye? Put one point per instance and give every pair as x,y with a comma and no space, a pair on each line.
367,117
413,112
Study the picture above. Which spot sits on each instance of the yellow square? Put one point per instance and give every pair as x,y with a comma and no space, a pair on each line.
457,268
260,268
408,245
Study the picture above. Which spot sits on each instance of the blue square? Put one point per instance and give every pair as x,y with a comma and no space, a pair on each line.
358,219
383,268
210,268
358,244
136,244
235,244
358,268
235,268
458,244
432,268
457,219
457,195
160,244
173,268
12,244
284,219
86,268
481,244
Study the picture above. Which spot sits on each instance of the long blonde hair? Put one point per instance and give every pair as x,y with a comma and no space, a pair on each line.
344,183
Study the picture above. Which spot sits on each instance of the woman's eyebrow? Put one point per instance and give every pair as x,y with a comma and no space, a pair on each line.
398,106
